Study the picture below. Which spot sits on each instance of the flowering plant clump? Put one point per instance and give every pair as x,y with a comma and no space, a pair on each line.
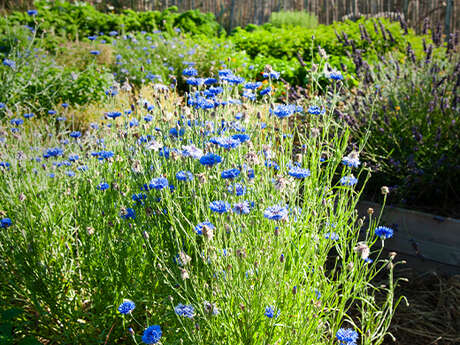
224,218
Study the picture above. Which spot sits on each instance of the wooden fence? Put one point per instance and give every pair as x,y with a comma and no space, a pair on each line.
231,13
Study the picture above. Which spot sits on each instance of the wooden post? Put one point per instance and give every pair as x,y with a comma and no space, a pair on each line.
448,16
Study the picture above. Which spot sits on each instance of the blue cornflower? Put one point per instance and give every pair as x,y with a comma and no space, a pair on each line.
348,180
272,164
270,312
225,73
252,86
241,137
95,52
75,134
331,235
272,75
243,207
351,160
265,91
32,12
158,183
70,173
299,172
276,212
230,173
189,72
128,213
334,75
184,176
53,152
29,115
60,118
315,110
210,159
126,307
195,81
113,114
6,222
233,79
249,95
152,335
17,122
5,165
73,158
185,310
101,155
192,151
225,142
210,81
384,232
237,189
199,227
219,206
347,336
9,63
92,38
283,111
102,186
113,33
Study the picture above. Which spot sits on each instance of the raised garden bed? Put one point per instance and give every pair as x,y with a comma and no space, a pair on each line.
425,241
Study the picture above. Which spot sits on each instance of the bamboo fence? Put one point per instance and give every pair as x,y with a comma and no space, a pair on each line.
232,13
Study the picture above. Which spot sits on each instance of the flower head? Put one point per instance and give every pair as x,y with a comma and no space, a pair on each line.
201,226
347,336
384,232
230,173
158,183
185,310
152,335
276,212
219,206
5,222
299,172
126,307
348,180
270,312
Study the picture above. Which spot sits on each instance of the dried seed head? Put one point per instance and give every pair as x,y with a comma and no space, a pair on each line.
208,233
90,230
184,274
146,235
392,255
385,190
362,249
370,211
184,258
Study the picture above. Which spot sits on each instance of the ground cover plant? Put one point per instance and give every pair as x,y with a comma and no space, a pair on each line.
214,218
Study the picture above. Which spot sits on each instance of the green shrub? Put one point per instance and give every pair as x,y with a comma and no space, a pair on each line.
294,18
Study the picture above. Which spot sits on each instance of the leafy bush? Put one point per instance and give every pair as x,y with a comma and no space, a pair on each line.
80,19
339,40
294,18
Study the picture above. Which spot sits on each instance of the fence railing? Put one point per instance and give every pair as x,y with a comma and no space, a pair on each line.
231,13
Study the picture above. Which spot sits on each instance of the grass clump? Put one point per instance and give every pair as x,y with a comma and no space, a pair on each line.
294,18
